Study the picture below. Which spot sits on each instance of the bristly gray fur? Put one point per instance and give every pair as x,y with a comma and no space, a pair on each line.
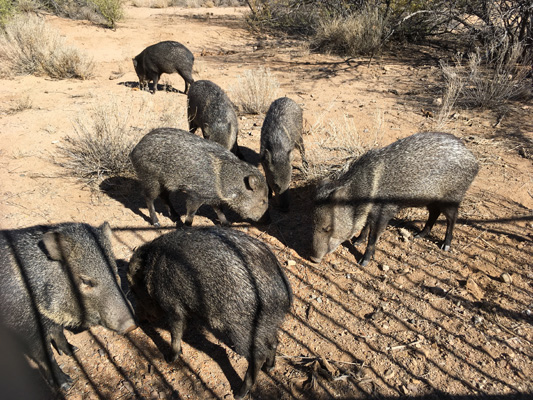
59,276
280,134
426,169
211,110
168,160
164,57
227,281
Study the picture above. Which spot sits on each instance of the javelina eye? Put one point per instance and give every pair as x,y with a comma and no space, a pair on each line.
86,282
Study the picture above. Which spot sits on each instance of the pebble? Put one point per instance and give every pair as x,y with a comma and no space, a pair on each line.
506,277
385,267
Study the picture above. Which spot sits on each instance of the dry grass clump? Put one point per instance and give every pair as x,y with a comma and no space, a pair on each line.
491,79
187,3
28,46
352,35
332,144
254,91
102,140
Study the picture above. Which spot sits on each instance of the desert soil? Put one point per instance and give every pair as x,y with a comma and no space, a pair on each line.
416,321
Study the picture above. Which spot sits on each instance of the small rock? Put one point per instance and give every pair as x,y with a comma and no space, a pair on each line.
319,300
437,101
506,278
291,263
477,319
405,234
389,374
385,268
128,386
474,289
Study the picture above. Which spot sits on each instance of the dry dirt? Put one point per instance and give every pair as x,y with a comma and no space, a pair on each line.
415,322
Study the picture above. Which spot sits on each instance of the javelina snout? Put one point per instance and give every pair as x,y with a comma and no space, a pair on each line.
228,281
280,134
59,276
168,160
165,57
211,110
426,169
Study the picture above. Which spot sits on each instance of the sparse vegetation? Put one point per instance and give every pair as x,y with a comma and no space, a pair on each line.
488,80
111,10
187,3
254,91
28,46
358,33
103,140
340,141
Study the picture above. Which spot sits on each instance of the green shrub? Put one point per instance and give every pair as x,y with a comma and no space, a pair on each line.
111,10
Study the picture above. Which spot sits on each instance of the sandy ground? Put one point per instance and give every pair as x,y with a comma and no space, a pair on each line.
415,322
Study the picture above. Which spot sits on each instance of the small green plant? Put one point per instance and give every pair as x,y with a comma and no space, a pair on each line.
111,10
7,9
255,90
28,46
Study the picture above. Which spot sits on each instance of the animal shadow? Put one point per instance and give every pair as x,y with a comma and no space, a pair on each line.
195,336
160,87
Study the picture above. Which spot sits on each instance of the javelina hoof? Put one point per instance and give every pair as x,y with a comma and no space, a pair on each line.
65,382
172,356
364,262
242,392
445,247
157,224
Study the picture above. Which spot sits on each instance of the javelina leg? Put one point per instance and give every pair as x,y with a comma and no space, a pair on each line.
155,78
165,196
176,333
382,219
434,212
301,148
362,236
59,341
450,211
150,194
221,216
192,204
254,365
45,359
271,358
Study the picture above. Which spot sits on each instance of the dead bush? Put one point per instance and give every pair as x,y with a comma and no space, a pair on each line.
355,34
104,138
489,79
29,46
331,143
254,91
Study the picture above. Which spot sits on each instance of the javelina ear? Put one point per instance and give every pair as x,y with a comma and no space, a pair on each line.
106,230
251,182
54,245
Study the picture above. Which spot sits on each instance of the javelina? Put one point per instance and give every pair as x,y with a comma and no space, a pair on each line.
59,276
426,169
221,278
168,159
210,109
281,132
164,57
